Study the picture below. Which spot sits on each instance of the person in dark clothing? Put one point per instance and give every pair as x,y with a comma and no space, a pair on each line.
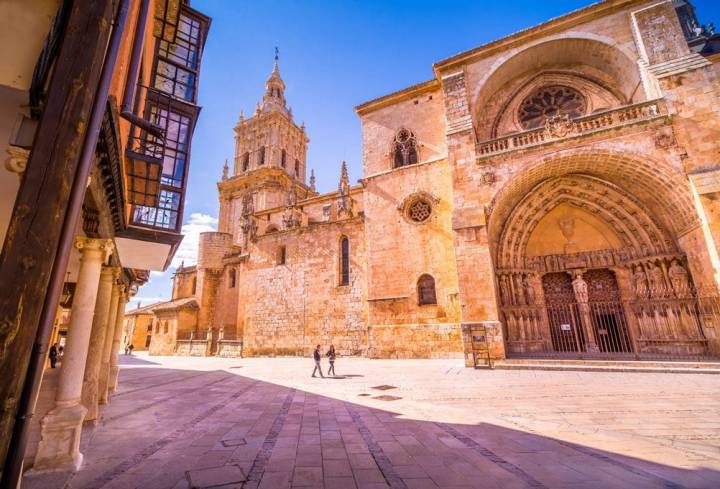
131,348
316,356
53,355
331,356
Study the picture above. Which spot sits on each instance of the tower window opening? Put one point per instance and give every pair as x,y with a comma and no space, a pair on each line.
282,255
283,157
297,168
261,160
232,278
246,162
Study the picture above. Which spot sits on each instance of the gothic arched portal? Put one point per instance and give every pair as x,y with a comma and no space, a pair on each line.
584,267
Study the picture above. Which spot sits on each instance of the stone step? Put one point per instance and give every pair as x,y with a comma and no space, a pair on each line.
684,367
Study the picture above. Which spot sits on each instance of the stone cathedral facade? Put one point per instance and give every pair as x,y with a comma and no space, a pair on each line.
551,192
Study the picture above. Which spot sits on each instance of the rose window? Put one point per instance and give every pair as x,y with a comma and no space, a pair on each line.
548,102
420,210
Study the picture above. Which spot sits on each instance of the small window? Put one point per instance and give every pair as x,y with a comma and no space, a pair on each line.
271,229
246,162
149,328
344,261
426,290
166,327
297,168
326,213
261,157
194,285
232,278
283,158
404,149
281,256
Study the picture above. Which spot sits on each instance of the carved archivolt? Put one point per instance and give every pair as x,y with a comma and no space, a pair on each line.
663,192
622,212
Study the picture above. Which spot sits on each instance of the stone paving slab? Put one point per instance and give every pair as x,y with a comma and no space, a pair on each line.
178,423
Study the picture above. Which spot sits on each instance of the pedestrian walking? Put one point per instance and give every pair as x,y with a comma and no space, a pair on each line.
53,355
127,348
316,356
331,356
131,348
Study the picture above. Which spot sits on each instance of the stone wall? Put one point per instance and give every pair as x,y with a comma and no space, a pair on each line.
415,341
141,327
286,309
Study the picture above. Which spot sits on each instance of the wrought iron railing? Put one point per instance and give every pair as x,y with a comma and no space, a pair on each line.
660,325
564,128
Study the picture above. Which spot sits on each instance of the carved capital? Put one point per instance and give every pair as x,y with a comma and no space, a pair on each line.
104,247
17,159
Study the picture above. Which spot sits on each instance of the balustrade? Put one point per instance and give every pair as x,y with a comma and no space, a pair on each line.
560,128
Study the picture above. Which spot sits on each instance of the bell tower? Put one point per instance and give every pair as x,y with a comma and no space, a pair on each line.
269,162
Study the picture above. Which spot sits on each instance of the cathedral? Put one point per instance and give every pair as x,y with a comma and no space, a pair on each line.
551,193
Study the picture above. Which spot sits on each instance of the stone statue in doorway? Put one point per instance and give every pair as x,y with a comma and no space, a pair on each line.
640,282
580,288
529,291
657,280
505,290
679,279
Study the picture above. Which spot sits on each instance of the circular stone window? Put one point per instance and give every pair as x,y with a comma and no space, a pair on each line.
419,210
548,102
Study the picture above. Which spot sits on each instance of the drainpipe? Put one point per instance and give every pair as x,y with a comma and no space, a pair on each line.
12,471
126,108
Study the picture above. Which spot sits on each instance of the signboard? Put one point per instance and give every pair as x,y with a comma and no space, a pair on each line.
565,327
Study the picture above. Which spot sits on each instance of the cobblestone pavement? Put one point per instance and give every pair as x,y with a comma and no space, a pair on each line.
265,423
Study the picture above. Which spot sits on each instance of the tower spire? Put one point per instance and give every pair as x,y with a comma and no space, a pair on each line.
344,185
312,179
275,88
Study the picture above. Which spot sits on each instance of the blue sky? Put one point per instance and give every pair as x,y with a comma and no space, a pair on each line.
334,55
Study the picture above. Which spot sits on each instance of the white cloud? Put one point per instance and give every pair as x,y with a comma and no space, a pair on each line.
188,250
143,301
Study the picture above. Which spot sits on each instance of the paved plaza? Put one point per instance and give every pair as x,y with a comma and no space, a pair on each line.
179,422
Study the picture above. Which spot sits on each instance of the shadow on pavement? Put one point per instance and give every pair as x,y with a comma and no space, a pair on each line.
189,428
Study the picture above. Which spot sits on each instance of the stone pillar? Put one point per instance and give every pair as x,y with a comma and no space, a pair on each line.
118,290
100,327
471,195
59,446
115,350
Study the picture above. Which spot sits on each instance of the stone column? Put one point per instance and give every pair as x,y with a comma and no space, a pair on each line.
100,327
118,289
115,350
59,446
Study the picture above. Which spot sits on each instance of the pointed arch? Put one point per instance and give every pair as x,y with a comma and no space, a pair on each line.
404,149
658,188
